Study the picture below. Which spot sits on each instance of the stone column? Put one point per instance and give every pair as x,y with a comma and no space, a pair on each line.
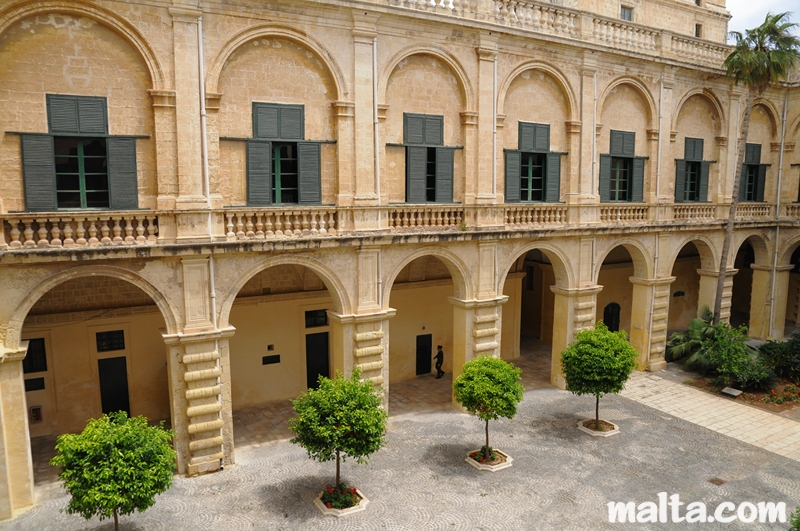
16,465
575,311
512,316
165,140
761,306
781,300
487,159
344,113
363,35
649,321
707,292
187,107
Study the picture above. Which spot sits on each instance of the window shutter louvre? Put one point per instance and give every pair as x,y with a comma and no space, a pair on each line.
308,172
693,149
444,175
259,173
527,137
92,115
616,142
123,182
698,148
541,138
434,130
62,114
680,176
553,178
413,128
762,180
703,188
292,122
39,172
628,144
605,178
752,154
416,162
743,184
637,181
265,121
513,163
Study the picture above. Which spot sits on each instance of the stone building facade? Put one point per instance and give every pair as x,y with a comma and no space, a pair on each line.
205,206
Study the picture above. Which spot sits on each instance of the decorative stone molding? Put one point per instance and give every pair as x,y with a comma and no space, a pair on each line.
776,147
162,98
652,135
673,136
469,118
572,127
344,109
185,14
722,141
486,53
501,121
382,110
212,101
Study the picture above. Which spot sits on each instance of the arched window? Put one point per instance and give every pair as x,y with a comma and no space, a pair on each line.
611,316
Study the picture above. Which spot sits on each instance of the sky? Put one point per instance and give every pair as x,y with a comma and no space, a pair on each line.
748,14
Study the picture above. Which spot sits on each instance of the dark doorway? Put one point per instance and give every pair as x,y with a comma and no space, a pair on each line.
611,316
114,384
316,358
424,354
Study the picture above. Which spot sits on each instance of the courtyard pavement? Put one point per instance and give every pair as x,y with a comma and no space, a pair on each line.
561,479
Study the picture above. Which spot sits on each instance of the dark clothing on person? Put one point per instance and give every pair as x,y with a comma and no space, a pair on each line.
439,357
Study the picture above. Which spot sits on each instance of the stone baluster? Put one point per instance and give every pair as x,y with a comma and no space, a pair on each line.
68,232
28,232
268,232
259,226
105,232
296,224
140,238
239,227
278,224
229,235
15,234
117,230
92,233
42,233
55,234
153,228
80,232
332,224
129,239
322,223
305,226
249,232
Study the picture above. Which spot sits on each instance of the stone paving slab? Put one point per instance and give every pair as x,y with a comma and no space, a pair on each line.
562,479
742,422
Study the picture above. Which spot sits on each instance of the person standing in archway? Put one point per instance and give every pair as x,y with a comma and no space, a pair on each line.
439,357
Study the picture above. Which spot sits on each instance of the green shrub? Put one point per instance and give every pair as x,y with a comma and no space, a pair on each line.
686,344
784,357
489,388
115,466
736,364
794,520
598,362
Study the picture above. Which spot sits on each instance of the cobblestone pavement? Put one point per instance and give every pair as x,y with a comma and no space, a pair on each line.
562,479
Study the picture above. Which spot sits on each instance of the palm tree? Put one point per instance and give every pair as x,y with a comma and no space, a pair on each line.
762,56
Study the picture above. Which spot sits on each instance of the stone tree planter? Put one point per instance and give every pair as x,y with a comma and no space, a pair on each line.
330,511
505,461
613,429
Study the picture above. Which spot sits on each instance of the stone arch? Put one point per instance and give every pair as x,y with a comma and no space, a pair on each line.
637,86
269,30
458,271
793,131
446,57
20,10
758,240
788,248
332,282
642,264
771,112
12,339
709,257
558,259
709,96
550,70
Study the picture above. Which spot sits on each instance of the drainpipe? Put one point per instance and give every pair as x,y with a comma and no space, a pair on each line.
777,216
375,117
207,184
594,136
494,127
658,190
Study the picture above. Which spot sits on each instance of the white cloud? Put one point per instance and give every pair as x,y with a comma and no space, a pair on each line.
748,14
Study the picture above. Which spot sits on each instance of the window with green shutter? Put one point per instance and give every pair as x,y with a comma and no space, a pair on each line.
429,164
691,173
621,171
754,174
77,164
533,172
282,167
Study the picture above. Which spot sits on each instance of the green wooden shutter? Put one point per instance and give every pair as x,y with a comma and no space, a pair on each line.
703,189
265,121
292,122
123,183
743,184
752,154
762,180
628,144
527,137
62,114
553,178
39,172
616,142
680,178
259,173
92,117
637,181
416,163
693,149
308,173
513,164
413,128
434,130
444,175
541,138
605,178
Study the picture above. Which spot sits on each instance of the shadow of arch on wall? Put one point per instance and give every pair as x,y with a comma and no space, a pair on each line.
552,71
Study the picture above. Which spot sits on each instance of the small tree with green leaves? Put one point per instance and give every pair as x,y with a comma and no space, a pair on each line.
598,362
115,466
342,418
794,520
489,388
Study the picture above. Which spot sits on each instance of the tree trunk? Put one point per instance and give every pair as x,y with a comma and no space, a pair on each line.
116,520
597,413
737,183
337,469
486,453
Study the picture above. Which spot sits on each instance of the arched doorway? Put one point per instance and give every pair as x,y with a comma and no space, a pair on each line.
615,273
741,292
685,289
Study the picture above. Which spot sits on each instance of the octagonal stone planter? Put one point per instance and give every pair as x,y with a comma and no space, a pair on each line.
594,433
362,503
491,468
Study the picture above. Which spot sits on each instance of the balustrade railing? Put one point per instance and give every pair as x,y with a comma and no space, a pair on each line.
623,213
426,218
791,210
542,18
537,215
750,212
53,231
694,50
622,35
262,224
694,212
